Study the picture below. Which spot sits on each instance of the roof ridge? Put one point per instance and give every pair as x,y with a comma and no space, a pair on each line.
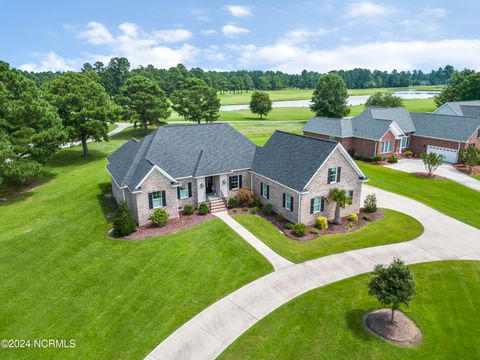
198,162
437,114
140,153
302,136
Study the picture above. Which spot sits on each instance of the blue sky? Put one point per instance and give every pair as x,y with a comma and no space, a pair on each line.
280,35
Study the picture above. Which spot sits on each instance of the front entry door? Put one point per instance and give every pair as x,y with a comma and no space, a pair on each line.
209,184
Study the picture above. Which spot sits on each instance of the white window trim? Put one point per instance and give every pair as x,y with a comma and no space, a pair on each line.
390,147
407,140
288,200
264,191
336,175
160,198
319,205
238,181
184,187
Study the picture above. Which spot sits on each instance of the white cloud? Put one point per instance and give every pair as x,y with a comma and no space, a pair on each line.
173,35
53,62
239,10
213,53
209,32
302,35
387,55
96,34
233,31
366,9
130,29
426,21
199,14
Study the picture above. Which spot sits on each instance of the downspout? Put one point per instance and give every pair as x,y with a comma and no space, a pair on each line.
299,207
375,149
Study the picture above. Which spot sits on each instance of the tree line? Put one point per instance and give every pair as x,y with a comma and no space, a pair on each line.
115,73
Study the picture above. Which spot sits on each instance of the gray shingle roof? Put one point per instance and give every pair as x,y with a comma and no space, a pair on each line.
182,151
458,107
470,110
450,127
330,126
291,159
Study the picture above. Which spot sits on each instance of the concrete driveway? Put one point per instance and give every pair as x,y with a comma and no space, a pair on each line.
445,170
210,332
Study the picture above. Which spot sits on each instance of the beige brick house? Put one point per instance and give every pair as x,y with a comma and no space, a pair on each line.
390,131
193,164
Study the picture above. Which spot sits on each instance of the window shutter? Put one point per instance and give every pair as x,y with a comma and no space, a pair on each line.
230,187
291,203
283,201
240,181
261,189
189,189
164,199
178,192
339,171
328,176
312,202
322,204
268,191
150,201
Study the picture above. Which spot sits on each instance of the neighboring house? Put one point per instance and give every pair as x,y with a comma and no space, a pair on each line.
460,108
389,131
177,165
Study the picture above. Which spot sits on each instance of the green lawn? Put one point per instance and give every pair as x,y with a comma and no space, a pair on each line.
62,278
476,177
449,197
326,323
413,105
260,131
305,94
394,227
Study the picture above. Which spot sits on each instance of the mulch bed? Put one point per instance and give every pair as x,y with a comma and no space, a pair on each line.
425,175
402,331
466,169
332,228
172,226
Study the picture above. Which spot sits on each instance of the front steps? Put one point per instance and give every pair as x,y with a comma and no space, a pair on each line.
217,205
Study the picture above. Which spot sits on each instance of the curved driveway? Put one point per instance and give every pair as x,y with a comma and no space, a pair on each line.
210,332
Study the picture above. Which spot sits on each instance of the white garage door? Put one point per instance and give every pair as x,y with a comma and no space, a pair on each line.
450,154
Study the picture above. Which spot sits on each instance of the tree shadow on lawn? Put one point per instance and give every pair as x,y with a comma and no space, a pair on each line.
74,156
13,193
354,320
106,200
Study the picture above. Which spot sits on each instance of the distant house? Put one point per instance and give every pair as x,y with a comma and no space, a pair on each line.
389,131
460,108
177,165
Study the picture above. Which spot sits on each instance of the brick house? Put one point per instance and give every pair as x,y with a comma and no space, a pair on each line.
390,131
193,164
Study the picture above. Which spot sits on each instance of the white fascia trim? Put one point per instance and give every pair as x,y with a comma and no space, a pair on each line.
395,129
120,187
346,155
343,137
225,173
276,182
163,172
437,138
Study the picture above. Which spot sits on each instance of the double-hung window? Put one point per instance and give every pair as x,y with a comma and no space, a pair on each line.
184,191
157,199
387,146
265,190
288,202
317,205
234,182
334,175
404,142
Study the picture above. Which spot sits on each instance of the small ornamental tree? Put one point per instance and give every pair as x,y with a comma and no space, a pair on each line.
123,221
340,198
384,99
245,197
392,285
370,203
260,103
330,97
431,161
471,157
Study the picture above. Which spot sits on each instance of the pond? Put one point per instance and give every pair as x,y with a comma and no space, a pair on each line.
352,100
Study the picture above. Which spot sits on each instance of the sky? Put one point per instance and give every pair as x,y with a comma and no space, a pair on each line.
280,35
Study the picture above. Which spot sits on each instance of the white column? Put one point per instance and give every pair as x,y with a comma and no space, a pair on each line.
201,191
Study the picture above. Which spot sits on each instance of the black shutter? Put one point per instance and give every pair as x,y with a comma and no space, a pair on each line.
240,181
283,200
189,189
312,202
291,203
178,192
339,171
230,187
261,189
164,199
328,176
268,191
322,204
150,201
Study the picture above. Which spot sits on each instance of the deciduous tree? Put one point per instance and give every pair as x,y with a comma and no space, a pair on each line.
384,99
260,103
431,161
330,97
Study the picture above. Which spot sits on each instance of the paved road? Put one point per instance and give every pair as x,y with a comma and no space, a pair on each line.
278,262
120,127
445,170
210,332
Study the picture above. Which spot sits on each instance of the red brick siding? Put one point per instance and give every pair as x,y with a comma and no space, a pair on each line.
389,136
418,144
363,147
474,140
353,145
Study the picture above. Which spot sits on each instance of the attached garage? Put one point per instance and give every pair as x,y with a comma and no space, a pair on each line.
451,155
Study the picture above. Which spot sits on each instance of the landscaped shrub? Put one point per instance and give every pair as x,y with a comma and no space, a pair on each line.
188,209
349,227
232,202
234,210
123,221
314,231
280,217
288,226
370,203
392,159
353,217
159,217
245,209
299,229
268,209
203,209
321,222
253,210
256,202
367,217
245,197
377,158
408,153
